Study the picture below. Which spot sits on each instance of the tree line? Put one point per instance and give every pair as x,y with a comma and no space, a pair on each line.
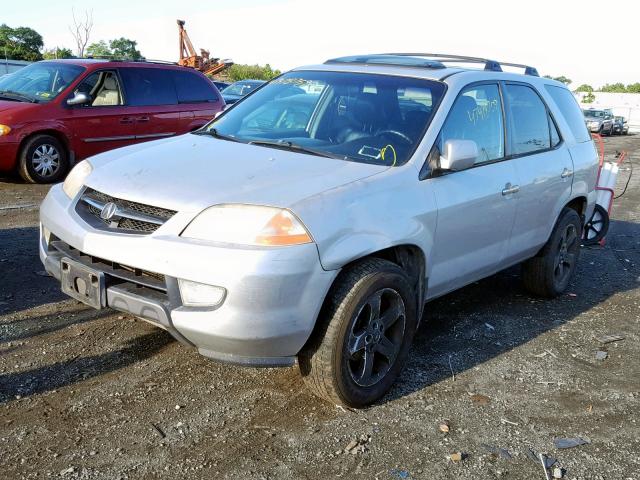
608,88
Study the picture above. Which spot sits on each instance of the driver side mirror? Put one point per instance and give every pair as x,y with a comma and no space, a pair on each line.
458,155
79,98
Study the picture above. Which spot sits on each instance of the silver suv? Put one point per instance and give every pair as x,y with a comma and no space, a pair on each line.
312,221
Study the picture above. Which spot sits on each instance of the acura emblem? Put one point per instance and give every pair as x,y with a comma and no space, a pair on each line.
108,211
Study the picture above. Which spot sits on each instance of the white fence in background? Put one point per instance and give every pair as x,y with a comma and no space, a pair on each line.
623,104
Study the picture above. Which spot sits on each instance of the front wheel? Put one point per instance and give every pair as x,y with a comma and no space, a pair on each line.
548,274
363,336
43,159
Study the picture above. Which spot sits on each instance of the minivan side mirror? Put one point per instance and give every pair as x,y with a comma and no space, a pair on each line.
79,98
458,155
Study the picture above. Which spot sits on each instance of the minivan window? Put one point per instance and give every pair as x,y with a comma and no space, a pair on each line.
529,120
477,115
103,88
40,82
192,88
148,86
570,110
361,117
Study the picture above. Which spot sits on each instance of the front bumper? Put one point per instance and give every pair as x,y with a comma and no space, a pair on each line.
273,296
8,155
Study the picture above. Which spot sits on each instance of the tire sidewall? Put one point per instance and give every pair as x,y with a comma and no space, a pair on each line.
353,394
26,165
569,216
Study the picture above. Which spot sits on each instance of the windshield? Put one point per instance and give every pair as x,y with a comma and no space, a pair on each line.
40,82
241,88
353,116
594,113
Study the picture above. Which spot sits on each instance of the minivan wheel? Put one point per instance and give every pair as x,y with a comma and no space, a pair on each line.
363,335
548,274
43,159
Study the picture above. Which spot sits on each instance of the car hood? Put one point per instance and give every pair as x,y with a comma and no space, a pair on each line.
593,119
11,107
191,172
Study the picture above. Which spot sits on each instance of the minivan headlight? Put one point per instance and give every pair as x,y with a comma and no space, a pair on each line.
248,225
76,178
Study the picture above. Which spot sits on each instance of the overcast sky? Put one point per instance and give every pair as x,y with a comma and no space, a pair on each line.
589,42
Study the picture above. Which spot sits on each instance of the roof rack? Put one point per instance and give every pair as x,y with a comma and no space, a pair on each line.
390,60
490,65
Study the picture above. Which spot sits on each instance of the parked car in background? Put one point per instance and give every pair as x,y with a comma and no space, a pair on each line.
314,227
54,113
620,125
239,89
221,85
599,121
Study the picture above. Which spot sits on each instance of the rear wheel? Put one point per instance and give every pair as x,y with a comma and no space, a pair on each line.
548,274
43,159
363,336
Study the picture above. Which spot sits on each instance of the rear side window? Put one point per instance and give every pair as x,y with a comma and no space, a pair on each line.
477,115
149,86
571,111
529,120
192,88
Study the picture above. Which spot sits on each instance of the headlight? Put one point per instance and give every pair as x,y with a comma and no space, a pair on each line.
248,225
4,129
76,178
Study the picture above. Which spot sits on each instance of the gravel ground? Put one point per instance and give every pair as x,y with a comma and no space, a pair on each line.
98,394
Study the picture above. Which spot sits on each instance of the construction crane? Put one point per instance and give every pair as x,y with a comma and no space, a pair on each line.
202,62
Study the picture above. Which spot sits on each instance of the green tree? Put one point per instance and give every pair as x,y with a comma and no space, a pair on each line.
561,79
125,48
57,52
99,49
633,87
22,43
613,88
588,98
584,88
257,72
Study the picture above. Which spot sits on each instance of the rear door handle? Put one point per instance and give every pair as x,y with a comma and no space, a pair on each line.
566,173
142,119
509,189
126,120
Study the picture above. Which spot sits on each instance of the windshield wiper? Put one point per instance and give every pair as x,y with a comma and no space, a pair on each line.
294,147
17,96
212,132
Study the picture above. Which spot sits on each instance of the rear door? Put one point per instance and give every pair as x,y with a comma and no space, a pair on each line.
198,98
151,95
104,122
477,206
543,166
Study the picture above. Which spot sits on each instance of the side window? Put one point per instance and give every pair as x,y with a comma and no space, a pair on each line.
477,115
529,125
571,112
149,86
555,135
192,88
103,88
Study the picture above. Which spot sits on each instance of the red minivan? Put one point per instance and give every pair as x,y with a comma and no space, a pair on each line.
54,113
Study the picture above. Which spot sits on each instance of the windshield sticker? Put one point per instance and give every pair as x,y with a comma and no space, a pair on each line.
371,152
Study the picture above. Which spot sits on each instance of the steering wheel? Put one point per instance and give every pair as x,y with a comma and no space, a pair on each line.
396,133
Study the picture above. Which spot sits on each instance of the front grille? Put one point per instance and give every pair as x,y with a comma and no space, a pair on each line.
124,215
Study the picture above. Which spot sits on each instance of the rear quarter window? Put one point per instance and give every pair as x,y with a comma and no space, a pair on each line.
148,86
570,111
192,88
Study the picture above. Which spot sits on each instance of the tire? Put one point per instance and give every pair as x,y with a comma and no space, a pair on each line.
597,226
43,159
354,356
548,274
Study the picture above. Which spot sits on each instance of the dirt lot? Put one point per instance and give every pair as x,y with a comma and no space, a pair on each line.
87,394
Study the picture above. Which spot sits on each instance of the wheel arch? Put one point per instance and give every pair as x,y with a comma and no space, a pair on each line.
57,134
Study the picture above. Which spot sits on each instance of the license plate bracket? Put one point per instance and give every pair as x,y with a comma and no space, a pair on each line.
83,283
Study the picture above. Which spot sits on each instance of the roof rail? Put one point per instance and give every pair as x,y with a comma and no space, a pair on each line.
490,65
389,60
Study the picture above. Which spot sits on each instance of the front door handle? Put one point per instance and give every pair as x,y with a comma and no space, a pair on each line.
566,173
142,119
126,120
509,189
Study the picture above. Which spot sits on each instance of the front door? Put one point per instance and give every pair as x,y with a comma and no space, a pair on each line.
477,206
104,122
